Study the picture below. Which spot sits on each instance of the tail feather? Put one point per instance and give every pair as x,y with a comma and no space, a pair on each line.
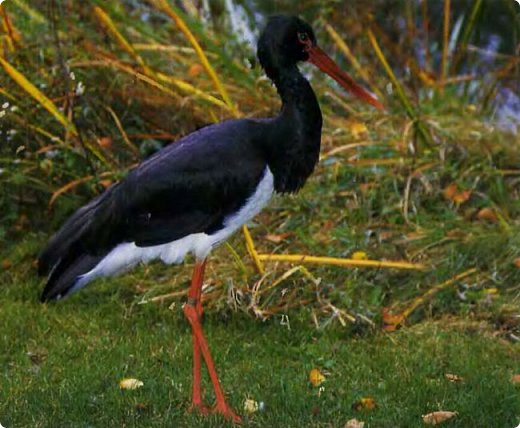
81,226
70,253
66,276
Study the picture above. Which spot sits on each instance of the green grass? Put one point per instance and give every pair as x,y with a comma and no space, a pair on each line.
61,363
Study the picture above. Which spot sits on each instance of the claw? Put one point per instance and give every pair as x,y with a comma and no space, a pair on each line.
227,412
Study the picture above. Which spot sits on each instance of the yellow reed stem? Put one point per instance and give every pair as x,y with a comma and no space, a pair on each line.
335,261
41,98
430,293
343,47
252,251
125,45
168,10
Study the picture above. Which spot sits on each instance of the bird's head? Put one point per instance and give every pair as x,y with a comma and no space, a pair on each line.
287,40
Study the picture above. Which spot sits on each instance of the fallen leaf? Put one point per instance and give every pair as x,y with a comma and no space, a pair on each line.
354,423
316,378
129,383
250,406
277,238
7,264
359,255
105,142
461,197
195,70
452,193
141,407
516,379
391,321
455,233
453,377
358,129
516,262
487,214
435,418
367,403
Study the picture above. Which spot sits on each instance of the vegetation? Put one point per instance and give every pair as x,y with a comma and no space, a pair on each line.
88,89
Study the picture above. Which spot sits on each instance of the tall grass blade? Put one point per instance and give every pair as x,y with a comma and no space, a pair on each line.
34,92
445,43
466,33
163,6
112,29
33,14
343,47
399,89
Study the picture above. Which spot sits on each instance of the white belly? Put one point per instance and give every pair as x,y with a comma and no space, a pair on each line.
127,255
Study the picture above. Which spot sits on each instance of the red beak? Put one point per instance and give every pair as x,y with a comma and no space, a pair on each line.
321,60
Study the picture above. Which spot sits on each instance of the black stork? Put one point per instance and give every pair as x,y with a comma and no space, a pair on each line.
193,194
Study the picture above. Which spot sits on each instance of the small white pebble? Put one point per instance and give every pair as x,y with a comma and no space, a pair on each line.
5,105
72,75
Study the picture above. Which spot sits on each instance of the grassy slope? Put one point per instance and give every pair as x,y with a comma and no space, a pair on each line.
81,348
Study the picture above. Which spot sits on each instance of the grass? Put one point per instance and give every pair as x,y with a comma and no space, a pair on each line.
91,90
61,364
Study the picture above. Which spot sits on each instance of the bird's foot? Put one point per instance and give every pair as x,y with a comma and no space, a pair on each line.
200,408
226,411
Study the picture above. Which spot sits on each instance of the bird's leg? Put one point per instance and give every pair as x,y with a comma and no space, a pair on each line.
192,311
194,300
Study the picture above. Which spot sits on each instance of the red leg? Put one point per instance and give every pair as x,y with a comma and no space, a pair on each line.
194,299
193,312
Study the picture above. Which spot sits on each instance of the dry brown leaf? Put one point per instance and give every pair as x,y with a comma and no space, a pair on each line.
452,193
277,238
7,264
516,262
516,379
195,70
105,142
250,406
391,321
453,377
435,418
130,383
487,214
316,378
358,130
365,403
461,197
354,423
456,233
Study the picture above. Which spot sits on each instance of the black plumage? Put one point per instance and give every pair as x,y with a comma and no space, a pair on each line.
193,185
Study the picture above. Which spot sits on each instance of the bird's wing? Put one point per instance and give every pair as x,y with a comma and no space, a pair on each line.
190,186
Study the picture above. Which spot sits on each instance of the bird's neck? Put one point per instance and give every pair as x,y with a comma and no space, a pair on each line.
294,145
